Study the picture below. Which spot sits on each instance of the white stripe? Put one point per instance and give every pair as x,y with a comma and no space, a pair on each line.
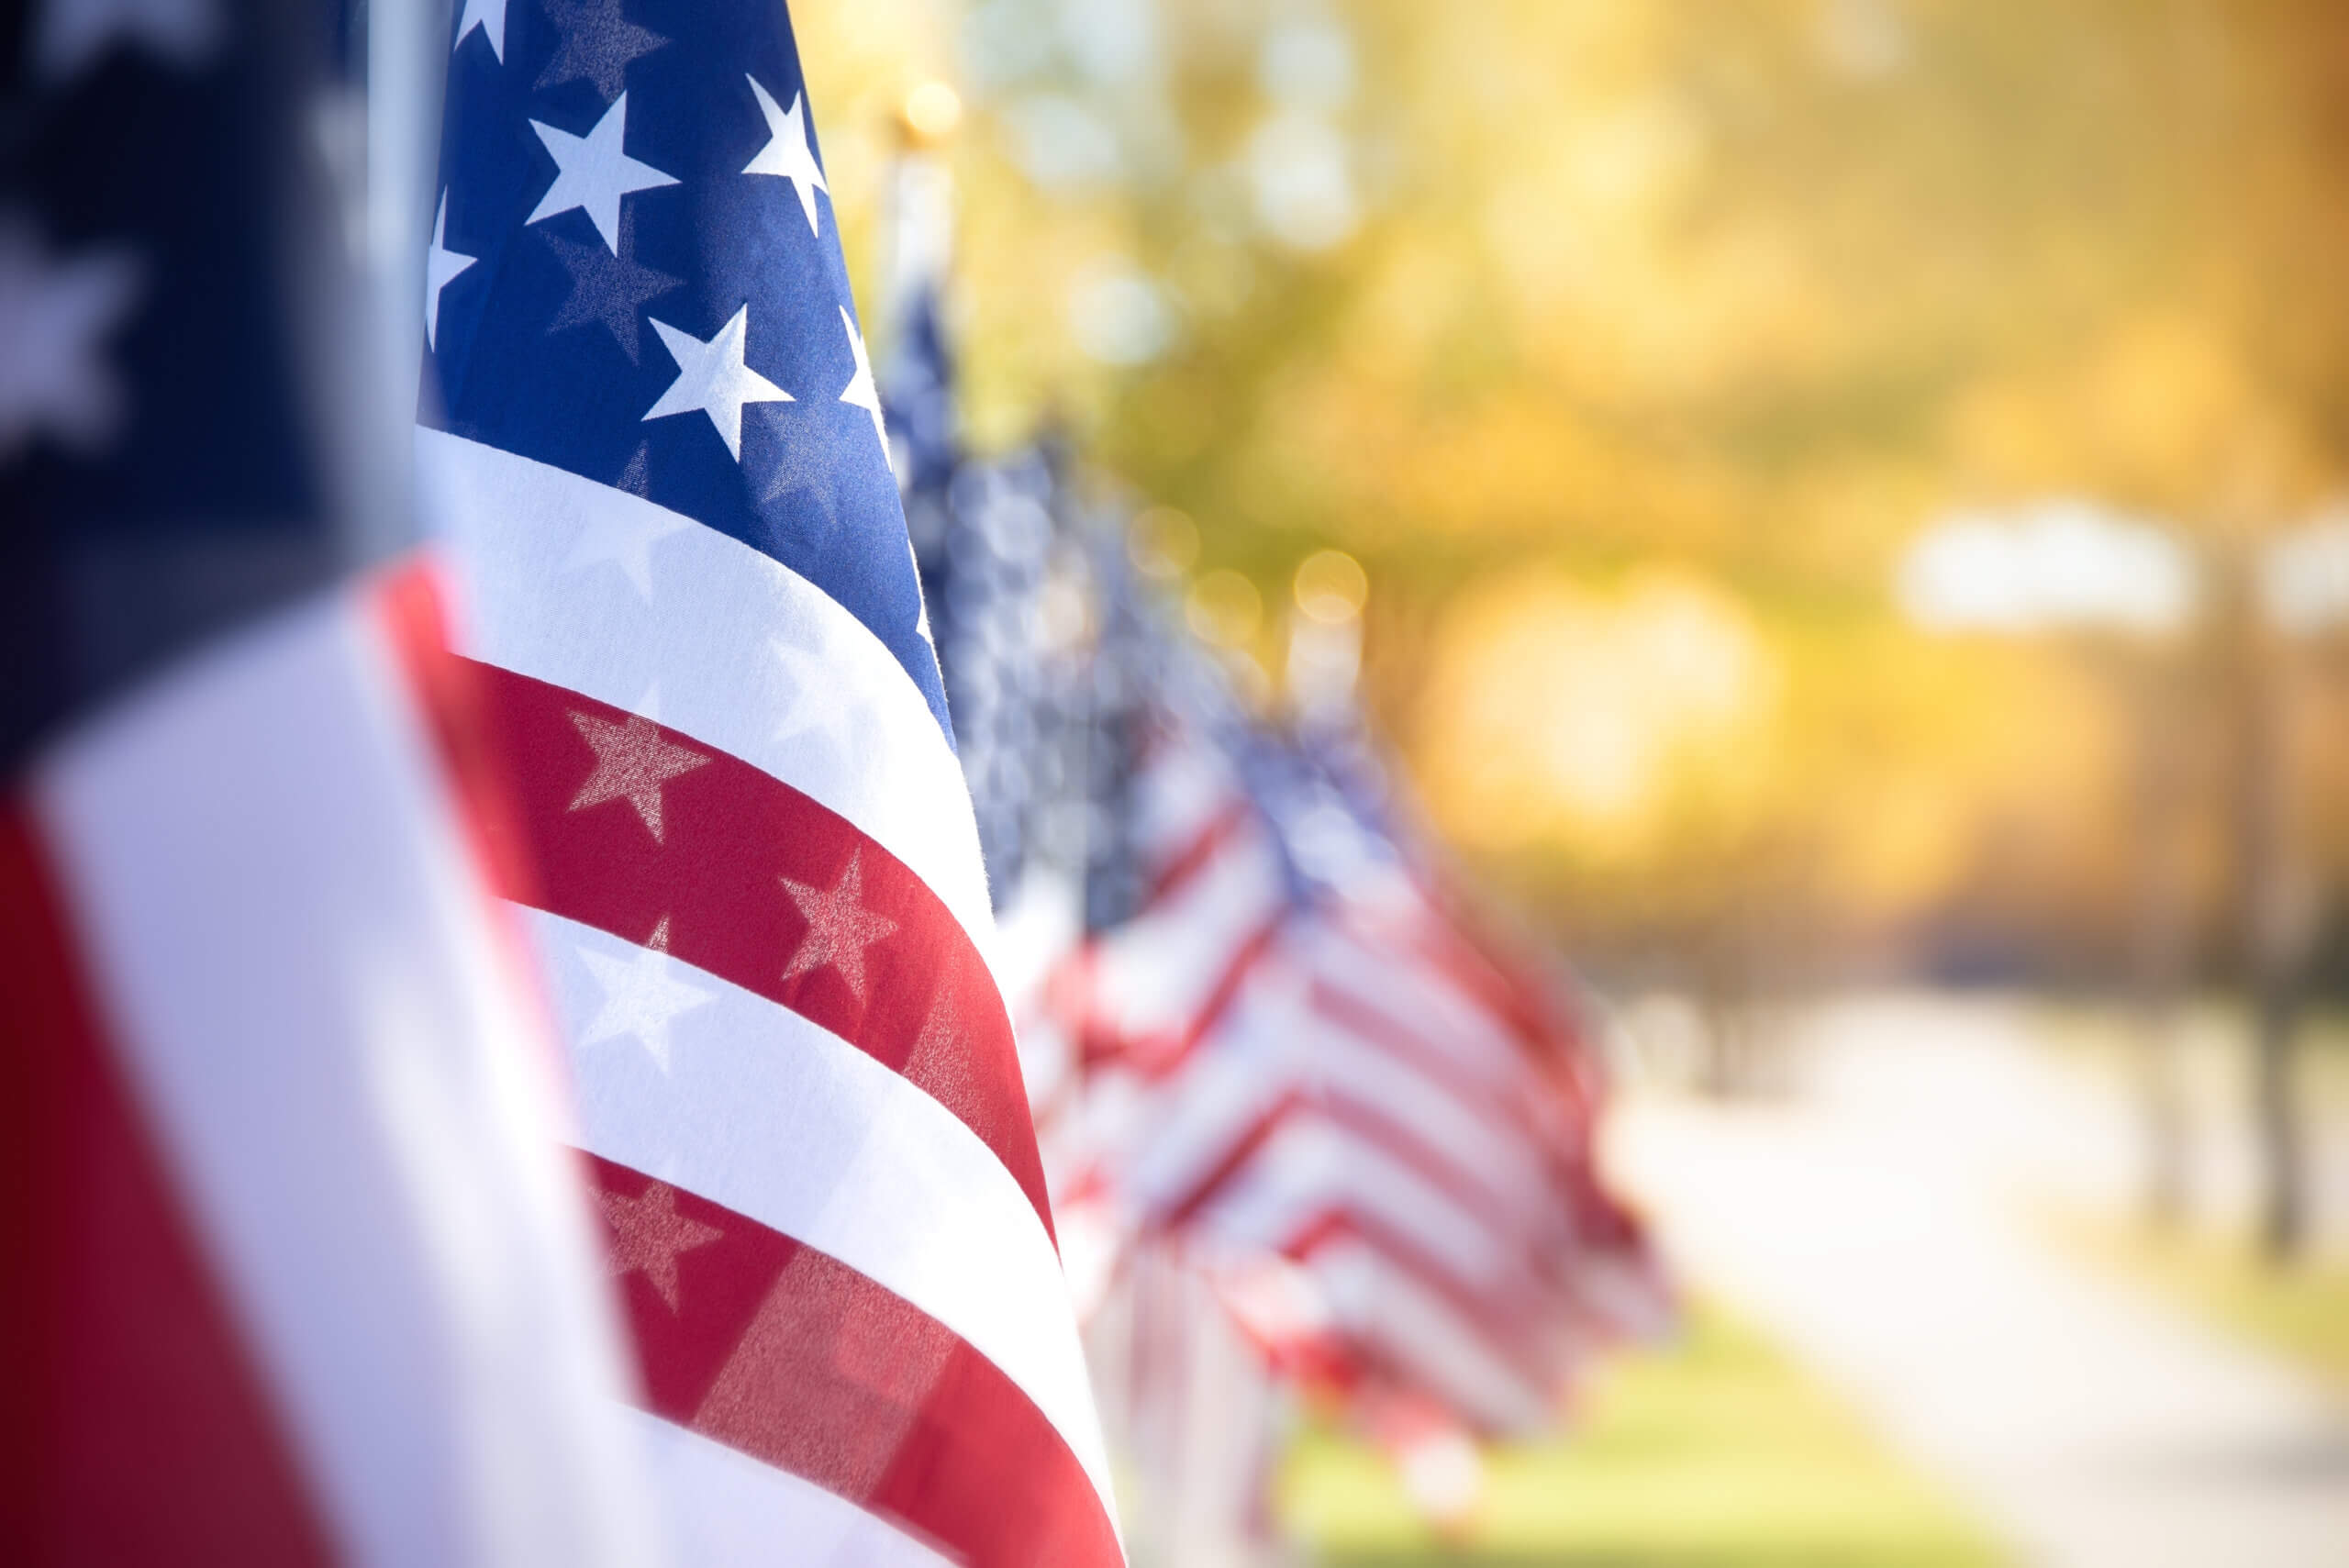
1272,1042
776,1118
1308,1165
1384,1305
303,980
1157,973
1183,791
734,649
1496,1158
1406,989
1175,1139
728,1510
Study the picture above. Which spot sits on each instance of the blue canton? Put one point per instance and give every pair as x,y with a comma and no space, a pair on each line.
175,317
594,166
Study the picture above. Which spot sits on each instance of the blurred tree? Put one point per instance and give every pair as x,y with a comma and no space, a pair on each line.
1578,293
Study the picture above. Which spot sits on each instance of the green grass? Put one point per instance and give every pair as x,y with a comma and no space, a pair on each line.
1712,1452
2297,1311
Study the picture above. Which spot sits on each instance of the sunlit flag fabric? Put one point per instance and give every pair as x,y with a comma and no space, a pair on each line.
297,1271
650,424
1276,1096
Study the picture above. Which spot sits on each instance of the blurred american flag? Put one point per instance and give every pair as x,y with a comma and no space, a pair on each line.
297,1272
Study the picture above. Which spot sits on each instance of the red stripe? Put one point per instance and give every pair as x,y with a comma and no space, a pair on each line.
733,841
1329,1225
135,1428
1439,1170
1518,1320
1526,1097
1160,1057
1351,1116
411,606
1521,1283
1187,862
791,1356
408,603
1374,1027
1516,1328
1535,1115
1235,1158
1552,1033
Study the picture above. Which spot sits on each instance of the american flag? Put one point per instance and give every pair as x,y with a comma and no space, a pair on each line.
295,1269
651,423
1300,1054
988,543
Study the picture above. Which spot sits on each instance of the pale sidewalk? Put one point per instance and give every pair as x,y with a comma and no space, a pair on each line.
1875,1221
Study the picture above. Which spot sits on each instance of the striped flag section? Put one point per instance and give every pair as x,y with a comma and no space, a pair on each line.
1314,1062
298,1270
308,1279
744,847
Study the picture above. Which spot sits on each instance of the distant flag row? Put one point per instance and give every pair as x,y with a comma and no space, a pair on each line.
1299,1055
1276,1038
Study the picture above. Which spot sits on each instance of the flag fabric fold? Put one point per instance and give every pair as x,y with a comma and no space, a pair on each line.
298,1271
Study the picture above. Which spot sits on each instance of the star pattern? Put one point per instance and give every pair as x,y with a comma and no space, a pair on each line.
632,763
74,33
609,287
839,928
593,172
643,998
598,45
441,266
815,704
528,369
861,392
56,317
625,539
489,15
648,1234
788,153
712,378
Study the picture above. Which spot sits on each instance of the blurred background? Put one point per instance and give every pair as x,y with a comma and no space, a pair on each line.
1842,507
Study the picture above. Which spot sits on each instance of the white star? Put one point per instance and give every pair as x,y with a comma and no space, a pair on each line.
712,377
819,700
489,15
788,153
648,1233
642,998
76,32
632,762
839,928
861,394
625,539
592,173
54,320
440,265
